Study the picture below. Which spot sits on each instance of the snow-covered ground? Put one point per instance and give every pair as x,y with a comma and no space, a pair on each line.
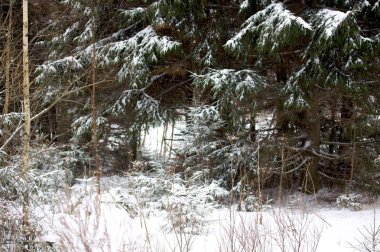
159,212
83,222
159,140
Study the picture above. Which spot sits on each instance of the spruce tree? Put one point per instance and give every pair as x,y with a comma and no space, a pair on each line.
325,52
311,65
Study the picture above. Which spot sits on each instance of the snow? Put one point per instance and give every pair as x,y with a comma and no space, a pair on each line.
106,226
63,38
270,25
159,212
163,212
158,139
331,20
263,124
87,34
229,83
136,53
244,5
52,67
344,228
134,14
103,228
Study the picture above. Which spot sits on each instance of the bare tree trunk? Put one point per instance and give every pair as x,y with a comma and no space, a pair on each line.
26,108
93,98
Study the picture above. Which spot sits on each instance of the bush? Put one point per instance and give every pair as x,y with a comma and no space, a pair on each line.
350,200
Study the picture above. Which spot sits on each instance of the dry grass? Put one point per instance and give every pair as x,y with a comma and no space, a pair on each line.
280,229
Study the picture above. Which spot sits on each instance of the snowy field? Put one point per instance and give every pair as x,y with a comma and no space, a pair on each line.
119,222
156,209
135,214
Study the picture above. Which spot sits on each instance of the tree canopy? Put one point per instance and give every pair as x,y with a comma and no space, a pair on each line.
310,69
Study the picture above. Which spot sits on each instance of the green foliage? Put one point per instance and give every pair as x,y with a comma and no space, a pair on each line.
234,92
335,56
137,55
269,31
222,64
211,152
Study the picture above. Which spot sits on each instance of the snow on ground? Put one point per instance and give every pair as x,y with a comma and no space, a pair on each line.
158,140
79,223
344,226
339,228
78,220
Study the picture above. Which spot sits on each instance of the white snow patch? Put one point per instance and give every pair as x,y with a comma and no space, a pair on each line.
158,140
83,222
331,20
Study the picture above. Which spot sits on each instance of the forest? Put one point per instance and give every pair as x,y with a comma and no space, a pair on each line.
175,104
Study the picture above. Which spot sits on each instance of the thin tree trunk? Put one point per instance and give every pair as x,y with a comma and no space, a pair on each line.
94,116
259,196
353,159
134,145
171,140
26,108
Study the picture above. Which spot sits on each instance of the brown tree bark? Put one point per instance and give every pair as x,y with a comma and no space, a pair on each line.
93,106
26,125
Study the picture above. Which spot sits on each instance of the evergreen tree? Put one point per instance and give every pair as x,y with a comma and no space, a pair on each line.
326,52
312,65
126,59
